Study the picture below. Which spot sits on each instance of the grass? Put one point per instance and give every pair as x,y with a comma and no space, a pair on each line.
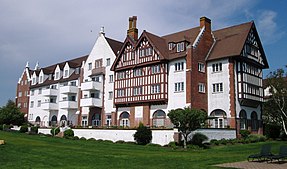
33,151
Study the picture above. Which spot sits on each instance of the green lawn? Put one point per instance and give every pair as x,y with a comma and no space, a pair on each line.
33,151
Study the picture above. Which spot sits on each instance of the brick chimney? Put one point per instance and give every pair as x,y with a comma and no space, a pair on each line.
133,31
205,22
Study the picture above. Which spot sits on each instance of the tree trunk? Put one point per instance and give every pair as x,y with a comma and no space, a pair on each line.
284,125
184,141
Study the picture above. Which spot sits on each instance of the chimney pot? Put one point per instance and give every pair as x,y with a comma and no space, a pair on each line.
205,22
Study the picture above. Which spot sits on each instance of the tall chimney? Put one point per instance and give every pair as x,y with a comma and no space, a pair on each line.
205,22
133,31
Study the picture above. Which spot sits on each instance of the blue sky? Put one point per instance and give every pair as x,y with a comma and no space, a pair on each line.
51,31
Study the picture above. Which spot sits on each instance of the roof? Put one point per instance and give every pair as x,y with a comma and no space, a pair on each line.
230,41
115,45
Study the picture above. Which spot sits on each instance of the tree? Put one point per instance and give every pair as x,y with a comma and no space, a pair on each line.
275,108
10,114
187,120
143,135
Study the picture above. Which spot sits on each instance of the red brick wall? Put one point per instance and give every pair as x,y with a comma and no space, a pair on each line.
232,108
24,98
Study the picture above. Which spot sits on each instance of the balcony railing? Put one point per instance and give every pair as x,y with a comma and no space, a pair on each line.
92,85
91,102
67,104
49,106
69,89
50,92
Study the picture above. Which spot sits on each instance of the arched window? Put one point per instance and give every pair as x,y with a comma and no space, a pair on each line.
54,120
124,119
63,120
254,121
243,119
96,119
158,118
38,120
219,118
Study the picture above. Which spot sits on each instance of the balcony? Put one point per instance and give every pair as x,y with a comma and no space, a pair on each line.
50,92
91,102
98,71
68,104
92,85
69,89
49,106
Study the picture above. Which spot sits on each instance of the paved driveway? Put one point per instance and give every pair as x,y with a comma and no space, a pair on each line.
255,165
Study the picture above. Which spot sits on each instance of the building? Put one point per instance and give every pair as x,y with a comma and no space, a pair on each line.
219,72
142,79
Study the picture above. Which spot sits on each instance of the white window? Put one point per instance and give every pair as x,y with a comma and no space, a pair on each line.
41,79
121,75
89,66
32,92
155,89
66,73
132,55
19,105
39,103
148,51
40,91
84,121
25,105
217,67
108,62
180,47
20,94
137,91
201,67
111,78
57,75
110,95
155,69
201,88
179,87
32,104
34,80
171,46
77,71
121,92
179,66
96,79
137,72
142,52
217,87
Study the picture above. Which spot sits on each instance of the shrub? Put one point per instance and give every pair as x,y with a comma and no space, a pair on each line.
153,145
198,139
76,138
143,135
223,141
253,138
34,130
120,142
244,133
68,133
24,129
195,147
172,144
92,139
272,131
54,131
83,138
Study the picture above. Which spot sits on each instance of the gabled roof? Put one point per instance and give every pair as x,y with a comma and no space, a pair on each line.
115,45
157,43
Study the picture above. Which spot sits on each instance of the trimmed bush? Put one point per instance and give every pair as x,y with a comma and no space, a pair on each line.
172,144
34,130
244,133
253,138
68,133
92,139
24,129
76,138
83,138
153,145
198,139
120,142
54,131
143,135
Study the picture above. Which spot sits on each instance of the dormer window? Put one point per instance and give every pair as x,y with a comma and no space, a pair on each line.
66,73
34,80
90,66
57,75
180,47
41,79
252,50
148,51
171,46
77,71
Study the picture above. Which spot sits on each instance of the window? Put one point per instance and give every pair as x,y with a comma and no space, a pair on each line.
25,105
108,62
132,55
155,89
158,119
96,79
142,52
98,63
32,92
137,91
40,91
201,88
57,75
179,66
19,105
252,50
111,78
110,95
121,75
20,94
180,47
148,51
95,94
84,121
217,67
32,104
34,80
89,66
155,69
243,119
124,56
121,92
66,73
179,87
254,121
201,67
137,72
124,119
219,119
171,46
77,71
108,120
41,79
39,103
217,87
73,83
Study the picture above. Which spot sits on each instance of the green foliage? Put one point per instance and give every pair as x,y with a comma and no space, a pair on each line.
244,133
198,139
187,120
10,114
272,130
254,138
120,142
68,133
34,129
143,135
83,138
172,144
54,131
24,129
153,145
